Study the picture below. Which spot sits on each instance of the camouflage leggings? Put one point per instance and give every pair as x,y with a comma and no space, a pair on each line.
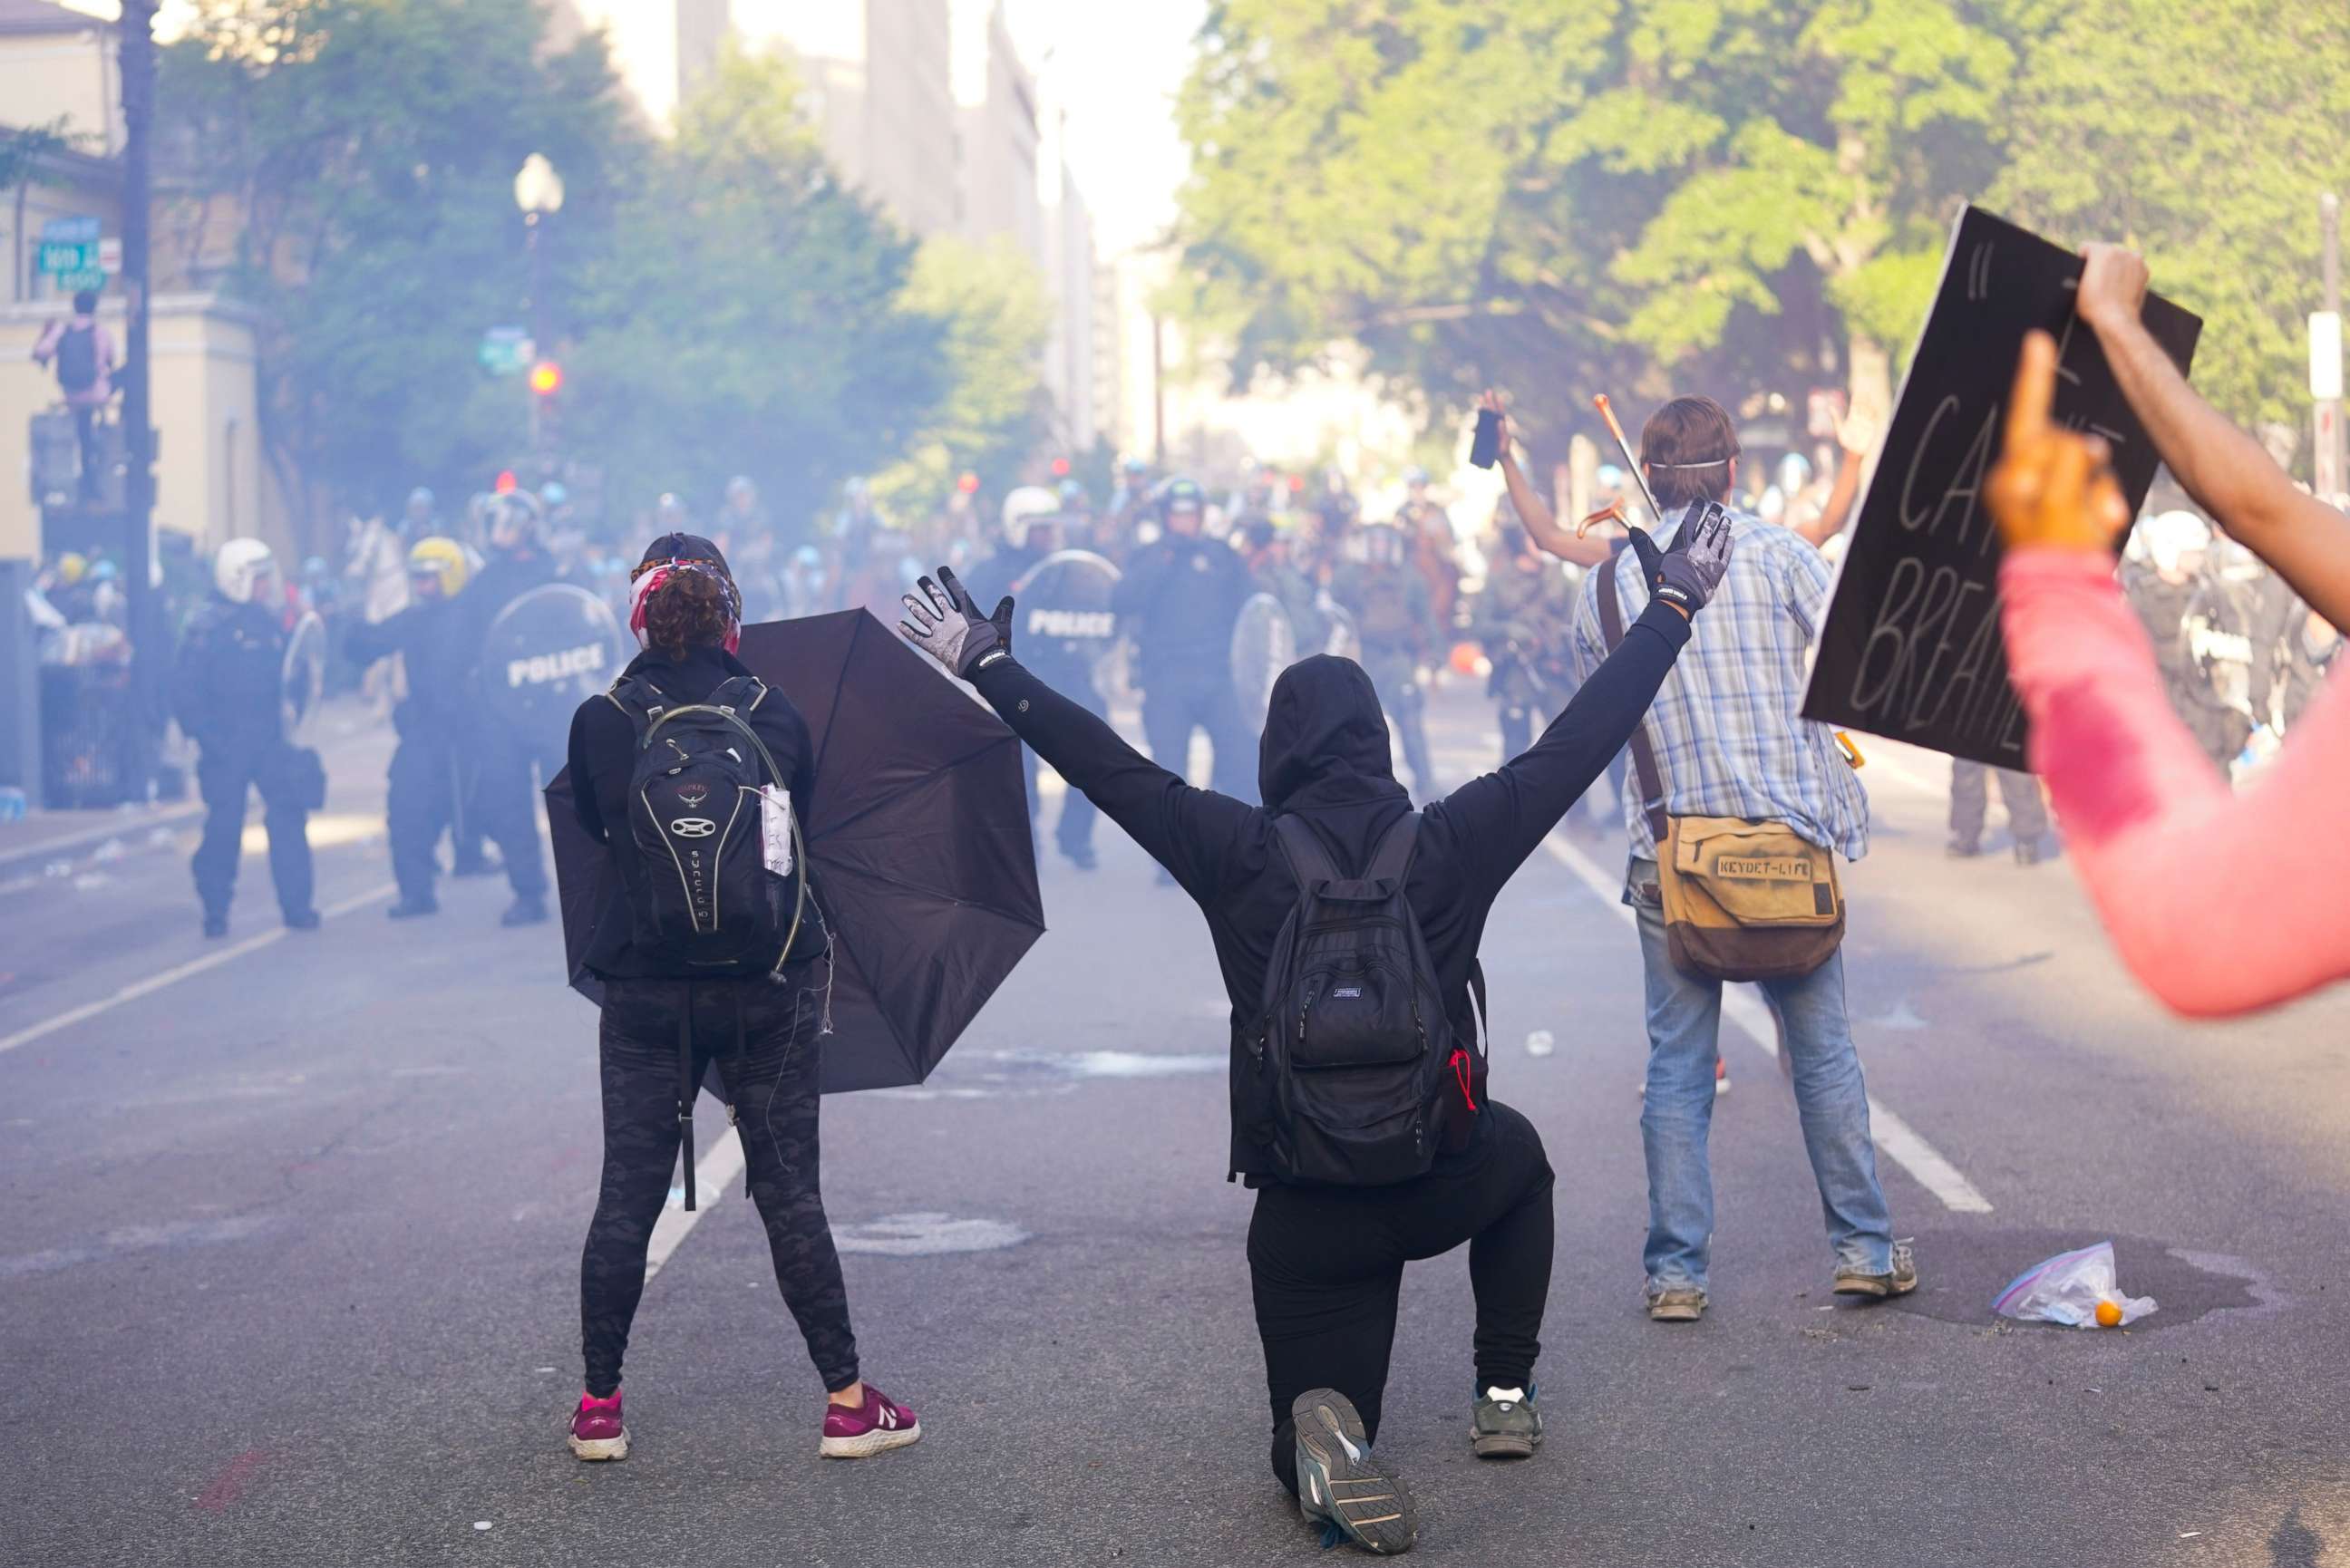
761,1036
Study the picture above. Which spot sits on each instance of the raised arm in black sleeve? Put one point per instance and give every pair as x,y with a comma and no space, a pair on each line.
1498,820
1189,831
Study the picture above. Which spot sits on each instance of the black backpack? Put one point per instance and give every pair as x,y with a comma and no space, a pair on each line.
77,358
1358,1076
701,898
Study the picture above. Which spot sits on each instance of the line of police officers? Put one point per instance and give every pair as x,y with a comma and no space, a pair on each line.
459,769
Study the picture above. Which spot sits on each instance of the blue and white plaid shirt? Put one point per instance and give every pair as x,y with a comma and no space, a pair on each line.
1724,727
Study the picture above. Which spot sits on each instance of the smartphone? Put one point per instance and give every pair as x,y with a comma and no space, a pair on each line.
1485,448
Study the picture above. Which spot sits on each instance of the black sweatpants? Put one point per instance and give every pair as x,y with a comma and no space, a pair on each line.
1325,1264
761,1035
224,780
1172,710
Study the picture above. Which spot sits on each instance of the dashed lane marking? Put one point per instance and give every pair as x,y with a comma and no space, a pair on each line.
173,976
1895,1138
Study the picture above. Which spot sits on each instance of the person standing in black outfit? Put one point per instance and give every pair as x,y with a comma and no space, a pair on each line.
759,1029
1179,599
1327,1263
228,691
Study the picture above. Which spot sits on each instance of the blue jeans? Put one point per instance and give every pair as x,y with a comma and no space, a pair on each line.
1684,1032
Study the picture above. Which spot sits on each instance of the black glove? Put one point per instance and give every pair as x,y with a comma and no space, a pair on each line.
942,622
1686,575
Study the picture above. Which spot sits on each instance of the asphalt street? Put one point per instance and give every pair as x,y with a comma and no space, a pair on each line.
290,1228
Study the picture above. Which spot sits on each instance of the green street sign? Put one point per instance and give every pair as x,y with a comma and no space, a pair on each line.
507,352
57,259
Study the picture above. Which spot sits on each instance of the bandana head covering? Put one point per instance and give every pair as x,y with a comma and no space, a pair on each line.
671,553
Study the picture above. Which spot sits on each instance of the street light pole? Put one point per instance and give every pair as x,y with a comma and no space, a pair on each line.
538,191
147,651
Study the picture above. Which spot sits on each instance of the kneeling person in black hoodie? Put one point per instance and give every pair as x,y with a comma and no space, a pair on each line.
1325,1261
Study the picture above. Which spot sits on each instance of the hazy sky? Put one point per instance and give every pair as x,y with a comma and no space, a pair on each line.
1115,66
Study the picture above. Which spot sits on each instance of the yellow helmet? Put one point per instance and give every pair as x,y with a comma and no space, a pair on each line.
71,568
444,560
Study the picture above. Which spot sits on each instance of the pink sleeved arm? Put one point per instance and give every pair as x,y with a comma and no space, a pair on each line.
2219,902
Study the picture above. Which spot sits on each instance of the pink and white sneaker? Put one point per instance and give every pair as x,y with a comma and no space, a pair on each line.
873,1428
596,1430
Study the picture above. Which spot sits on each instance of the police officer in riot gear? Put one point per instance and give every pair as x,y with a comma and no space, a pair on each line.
504,793
1034,530
229,695
1179,600
428,778
1396,619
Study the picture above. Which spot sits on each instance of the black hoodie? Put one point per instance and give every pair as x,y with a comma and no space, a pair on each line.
1325,757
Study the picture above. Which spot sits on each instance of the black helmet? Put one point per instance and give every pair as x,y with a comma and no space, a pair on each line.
1183,496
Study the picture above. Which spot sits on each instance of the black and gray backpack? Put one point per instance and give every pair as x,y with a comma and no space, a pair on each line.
700,896
1357,1072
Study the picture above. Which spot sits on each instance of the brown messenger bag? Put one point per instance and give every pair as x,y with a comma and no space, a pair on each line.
1744,899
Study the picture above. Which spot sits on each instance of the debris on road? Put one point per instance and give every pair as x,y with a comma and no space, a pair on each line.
2077,1289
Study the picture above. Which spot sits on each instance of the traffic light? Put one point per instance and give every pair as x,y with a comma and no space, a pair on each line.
546,377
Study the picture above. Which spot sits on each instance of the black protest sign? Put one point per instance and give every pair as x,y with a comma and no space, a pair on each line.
1911,648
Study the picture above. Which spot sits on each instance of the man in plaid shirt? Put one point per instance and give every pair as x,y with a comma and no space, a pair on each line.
1729,742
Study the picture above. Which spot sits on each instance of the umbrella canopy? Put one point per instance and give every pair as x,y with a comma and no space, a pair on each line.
917,844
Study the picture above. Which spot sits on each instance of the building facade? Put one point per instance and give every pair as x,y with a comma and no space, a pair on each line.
879,88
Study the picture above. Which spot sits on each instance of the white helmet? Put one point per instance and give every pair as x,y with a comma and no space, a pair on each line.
240,569
2172,536
1024,506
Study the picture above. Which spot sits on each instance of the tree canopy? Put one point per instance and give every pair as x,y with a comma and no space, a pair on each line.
1566,195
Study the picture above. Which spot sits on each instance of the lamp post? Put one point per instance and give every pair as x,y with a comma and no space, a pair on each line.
538,192
137,55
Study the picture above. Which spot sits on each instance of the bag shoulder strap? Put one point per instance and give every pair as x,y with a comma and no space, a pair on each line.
1644,756
629,694
1308,859
1391,861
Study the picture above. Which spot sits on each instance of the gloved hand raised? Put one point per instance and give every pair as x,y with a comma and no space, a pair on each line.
1686,575
942,622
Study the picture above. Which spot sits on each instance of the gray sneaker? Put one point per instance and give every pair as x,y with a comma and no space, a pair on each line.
1897,1281
1676,1303
1340,1486
1505,1424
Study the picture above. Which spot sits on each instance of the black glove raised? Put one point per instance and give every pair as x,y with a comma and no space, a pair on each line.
1686,575
942,622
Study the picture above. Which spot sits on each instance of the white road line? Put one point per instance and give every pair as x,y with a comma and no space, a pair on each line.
1895,1138
713,1174
169,977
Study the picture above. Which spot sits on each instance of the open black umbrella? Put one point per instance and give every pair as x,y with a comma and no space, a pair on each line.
917,843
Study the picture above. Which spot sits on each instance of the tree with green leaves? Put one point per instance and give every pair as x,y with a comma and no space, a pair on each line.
2203,136
751,315
996,411
1565,195
344,167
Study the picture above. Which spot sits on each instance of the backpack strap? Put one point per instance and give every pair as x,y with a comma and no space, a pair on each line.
1308,861
1391,861
743,693
640,699
1644,756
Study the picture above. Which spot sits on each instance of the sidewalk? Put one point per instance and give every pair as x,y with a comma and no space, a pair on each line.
346,733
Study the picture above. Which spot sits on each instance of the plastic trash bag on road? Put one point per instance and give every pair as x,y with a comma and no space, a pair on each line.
2069,1288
